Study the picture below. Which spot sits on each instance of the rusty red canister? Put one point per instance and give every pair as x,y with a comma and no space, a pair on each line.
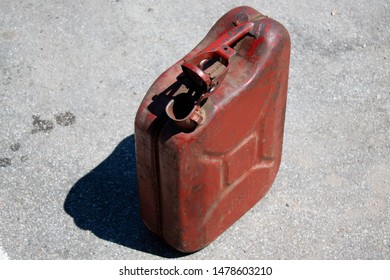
209,131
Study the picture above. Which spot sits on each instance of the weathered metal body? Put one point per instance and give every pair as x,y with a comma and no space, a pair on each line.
209,131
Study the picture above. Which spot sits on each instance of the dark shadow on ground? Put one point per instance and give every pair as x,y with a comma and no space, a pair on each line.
105,201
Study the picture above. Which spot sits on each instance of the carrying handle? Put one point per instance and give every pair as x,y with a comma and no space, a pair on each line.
220,50
184,109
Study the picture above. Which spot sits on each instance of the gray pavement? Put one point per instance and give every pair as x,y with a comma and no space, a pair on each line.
74,72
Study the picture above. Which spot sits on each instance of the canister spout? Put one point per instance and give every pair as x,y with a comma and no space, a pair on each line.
184,111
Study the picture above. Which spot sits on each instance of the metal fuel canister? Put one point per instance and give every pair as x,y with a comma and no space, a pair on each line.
209,131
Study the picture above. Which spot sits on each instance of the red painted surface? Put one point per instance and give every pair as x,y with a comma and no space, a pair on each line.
201,169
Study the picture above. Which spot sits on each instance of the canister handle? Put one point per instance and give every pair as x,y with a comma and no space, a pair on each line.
219,50
184,109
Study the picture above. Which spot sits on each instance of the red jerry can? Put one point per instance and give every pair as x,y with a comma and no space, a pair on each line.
209,131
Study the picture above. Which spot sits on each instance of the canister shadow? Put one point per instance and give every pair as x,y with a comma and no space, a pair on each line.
105,201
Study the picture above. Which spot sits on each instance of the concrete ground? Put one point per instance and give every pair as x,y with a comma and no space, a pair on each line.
74,72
